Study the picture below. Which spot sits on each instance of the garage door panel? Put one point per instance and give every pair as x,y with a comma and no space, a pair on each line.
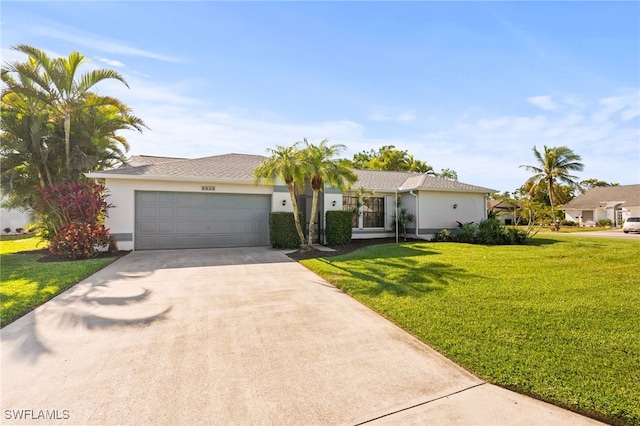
183,227
147,212
166,212
147,227
146,197
166,197
166,220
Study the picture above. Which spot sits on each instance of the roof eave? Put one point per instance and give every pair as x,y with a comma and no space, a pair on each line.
478,191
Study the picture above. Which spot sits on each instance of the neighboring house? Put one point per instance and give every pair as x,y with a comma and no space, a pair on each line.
505,211
168,203
612,202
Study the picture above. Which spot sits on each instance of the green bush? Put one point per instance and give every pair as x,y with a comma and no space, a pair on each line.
444,235
467,233
339,226
488,231
515,235
282,230
605,222
568,223
491,231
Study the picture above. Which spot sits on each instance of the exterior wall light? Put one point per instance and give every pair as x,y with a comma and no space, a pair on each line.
284,202
333,203
455,206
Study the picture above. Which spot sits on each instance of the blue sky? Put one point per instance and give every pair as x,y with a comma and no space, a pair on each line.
470,86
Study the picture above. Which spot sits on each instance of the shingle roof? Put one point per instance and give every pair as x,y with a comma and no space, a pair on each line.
378,180
598,197
147,160
218,167
240,167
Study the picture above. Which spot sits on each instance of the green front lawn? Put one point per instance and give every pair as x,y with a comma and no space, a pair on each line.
558,319
26,283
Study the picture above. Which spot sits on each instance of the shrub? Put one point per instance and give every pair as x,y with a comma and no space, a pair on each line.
444,235
60,205
79,240
490,231
7,230
467,232
339,224
604,222
72,218
515,235
568,223
282,230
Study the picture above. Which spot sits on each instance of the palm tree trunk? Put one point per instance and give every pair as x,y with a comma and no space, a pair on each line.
556,225
67,142
296,213
314,207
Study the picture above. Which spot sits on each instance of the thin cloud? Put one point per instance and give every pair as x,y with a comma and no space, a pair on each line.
110,62
543,102
83,38
404,117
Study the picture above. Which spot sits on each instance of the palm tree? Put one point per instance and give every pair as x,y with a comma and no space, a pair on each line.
284,163
24,148
554,166
96,126
321,166
56,82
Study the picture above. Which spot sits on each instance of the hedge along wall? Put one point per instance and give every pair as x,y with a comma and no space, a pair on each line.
282,230
339,226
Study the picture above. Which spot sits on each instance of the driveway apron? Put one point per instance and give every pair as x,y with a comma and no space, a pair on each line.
233,336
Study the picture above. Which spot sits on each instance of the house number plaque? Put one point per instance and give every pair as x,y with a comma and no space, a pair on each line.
208,188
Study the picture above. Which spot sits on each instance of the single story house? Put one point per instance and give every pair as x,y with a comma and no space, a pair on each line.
612,202
172,203
505,211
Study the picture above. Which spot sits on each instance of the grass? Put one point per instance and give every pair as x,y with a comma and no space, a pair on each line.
26,283
557,319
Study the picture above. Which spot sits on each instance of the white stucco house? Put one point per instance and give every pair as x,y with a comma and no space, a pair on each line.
171,203
612,202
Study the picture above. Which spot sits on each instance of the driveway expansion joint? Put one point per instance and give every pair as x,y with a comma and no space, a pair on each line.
421,404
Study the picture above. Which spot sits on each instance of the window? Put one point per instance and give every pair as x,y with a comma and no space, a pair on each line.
351,203
373,213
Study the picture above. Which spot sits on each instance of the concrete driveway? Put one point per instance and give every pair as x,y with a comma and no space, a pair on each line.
234,337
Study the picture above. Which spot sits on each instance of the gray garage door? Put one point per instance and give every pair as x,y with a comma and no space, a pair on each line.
173,220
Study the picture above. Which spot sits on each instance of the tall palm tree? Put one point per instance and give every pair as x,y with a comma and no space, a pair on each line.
57,83
554,166
320,165
284,163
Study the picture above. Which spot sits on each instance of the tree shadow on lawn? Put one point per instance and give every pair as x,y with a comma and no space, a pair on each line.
402,271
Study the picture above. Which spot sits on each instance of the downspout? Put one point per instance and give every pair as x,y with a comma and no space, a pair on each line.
417,213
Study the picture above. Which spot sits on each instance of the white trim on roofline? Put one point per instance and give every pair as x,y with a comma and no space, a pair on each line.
98,175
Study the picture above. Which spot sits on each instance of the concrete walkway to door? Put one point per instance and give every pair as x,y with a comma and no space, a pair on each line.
234,337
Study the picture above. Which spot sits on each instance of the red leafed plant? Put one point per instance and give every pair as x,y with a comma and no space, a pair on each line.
72,217
79,240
